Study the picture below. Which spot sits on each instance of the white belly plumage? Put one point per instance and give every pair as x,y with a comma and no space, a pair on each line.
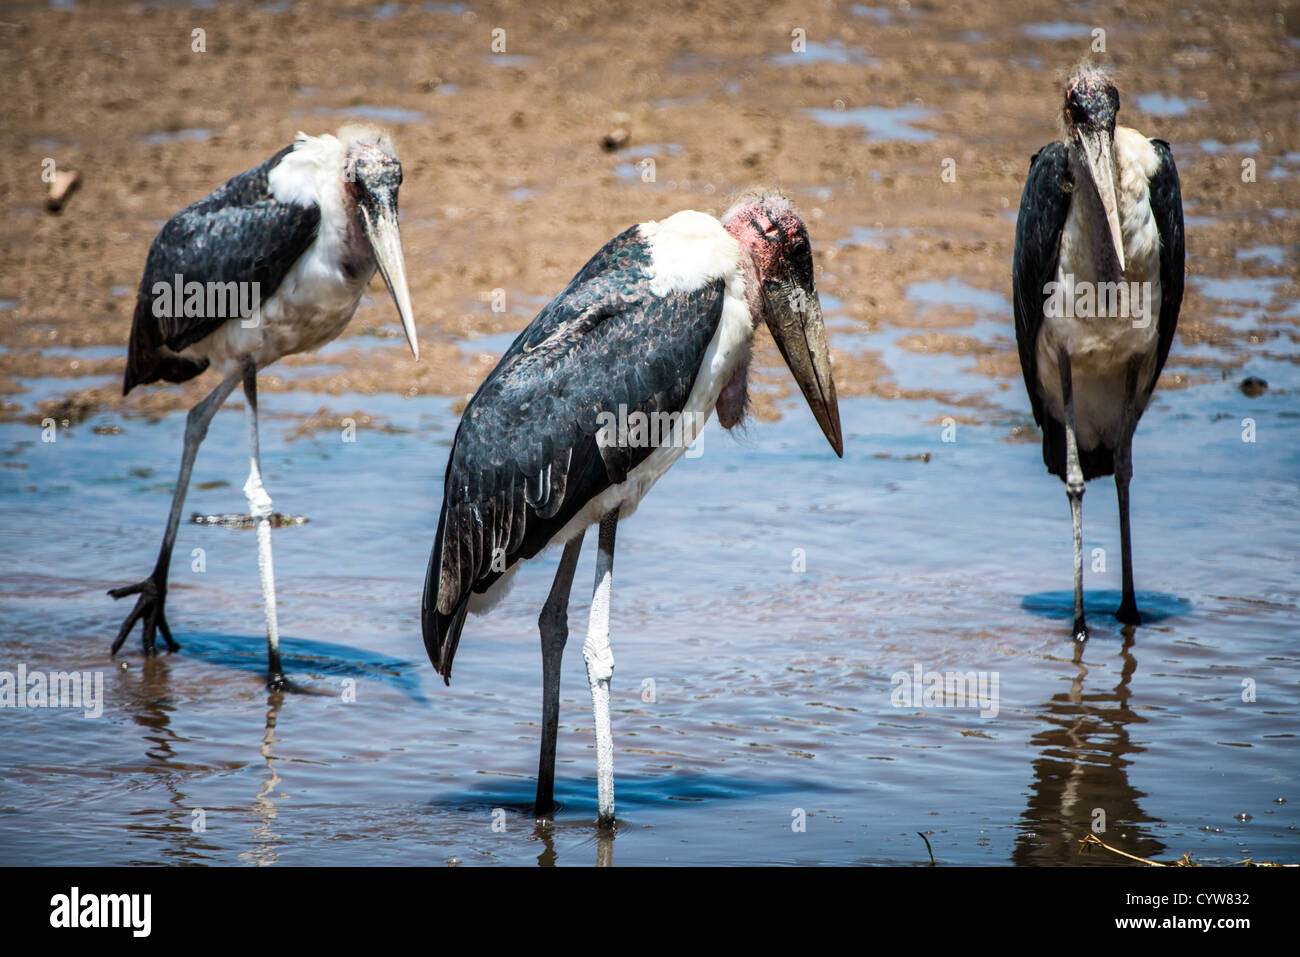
316,298
314,303
1100,347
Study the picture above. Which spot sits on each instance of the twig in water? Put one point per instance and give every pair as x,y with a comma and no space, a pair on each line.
928,848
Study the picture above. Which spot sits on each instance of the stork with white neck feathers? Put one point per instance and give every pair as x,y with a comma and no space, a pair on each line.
661,320
1100,211
306,230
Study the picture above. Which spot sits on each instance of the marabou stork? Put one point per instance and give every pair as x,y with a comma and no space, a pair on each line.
1098,278
659,322
294,242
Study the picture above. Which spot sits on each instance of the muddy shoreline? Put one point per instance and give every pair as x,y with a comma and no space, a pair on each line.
509,186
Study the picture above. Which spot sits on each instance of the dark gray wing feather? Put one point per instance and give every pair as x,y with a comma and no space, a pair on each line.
1167,206
239,233
526,457
1044,206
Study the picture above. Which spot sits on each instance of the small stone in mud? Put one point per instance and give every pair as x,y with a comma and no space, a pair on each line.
237,520
615,139
1243,817
918,457
1279,800
61,187
107,430
1253,386
68,411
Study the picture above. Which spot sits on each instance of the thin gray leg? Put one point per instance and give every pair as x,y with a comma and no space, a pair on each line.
1074,489
553,623
259,506
1128,610
600,668
153,590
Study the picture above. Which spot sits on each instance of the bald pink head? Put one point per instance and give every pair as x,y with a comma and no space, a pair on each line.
785,296
766,225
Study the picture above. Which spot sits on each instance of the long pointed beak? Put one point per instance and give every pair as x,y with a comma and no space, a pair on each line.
794,317
1099,149
386,240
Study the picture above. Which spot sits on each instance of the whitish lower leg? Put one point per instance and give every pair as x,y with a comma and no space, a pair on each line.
259,506
600,668
1074,489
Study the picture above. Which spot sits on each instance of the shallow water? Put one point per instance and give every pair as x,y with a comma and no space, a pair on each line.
833,52
382,114
1159,104
771,606
880,122
171,136
1057,30
771,686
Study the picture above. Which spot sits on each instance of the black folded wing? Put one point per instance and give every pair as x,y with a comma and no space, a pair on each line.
1044,206
1167,206
240,233
526,457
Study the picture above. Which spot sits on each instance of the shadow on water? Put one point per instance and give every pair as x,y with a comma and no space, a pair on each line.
574,820
319,659
576,797
1101,603
1081,776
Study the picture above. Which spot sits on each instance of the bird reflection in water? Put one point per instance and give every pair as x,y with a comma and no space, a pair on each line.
267,841
544,831
1081,776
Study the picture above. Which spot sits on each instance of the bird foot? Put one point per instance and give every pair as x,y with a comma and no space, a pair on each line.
1127,613
149,611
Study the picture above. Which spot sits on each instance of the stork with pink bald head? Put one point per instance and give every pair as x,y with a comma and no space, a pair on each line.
596,399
